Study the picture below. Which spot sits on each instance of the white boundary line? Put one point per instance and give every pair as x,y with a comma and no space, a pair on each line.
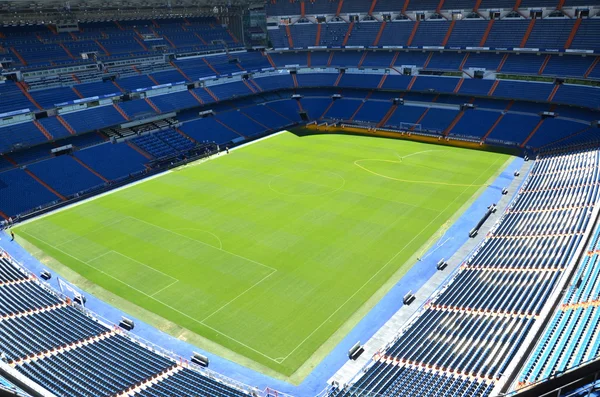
239,296
164,288
143,264
417,153
384,266
203,231
94,258
157,300
166,172
90,232
202,242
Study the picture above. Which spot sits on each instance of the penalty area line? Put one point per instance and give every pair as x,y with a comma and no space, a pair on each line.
158,300
164,288
239,296
202,242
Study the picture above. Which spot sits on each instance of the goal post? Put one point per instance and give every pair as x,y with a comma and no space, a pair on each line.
76,296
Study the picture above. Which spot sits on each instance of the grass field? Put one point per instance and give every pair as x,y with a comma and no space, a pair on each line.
267,251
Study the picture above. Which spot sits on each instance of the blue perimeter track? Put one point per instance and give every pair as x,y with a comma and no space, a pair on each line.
316,381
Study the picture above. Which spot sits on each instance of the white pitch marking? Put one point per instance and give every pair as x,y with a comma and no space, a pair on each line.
157,300
90,232
202,242
164,288
437,246
384,266
91,260
204,231
417,153
239,296
143,264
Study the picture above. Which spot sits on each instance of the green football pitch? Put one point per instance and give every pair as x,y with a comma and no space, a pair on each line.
270,254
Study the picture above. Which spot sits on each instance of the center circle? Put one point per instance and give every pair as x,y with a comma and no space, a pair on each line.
306,183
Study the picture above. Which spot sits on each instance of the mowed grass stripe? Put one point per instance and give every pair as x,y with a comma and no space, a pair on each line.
320,225
143,282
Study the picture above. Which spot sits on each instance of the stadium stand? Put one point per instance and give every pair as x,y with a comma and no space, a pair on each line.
112,161
64,334
163,143
571,336
480,302
466,336
73,178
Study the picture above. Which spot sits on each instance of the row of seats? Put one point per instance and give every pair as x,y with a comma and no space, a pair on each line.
55,178
552,65
46,329
513,128
70,353
320,7
41,46
548,33
572,337
8,272
383,379
49,92
526,64
473,325
164,143
489,125
12,298
508,89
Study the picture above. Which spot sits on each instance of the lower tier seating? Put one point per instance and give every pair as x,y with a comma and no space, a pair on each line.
465,336
572,336
68,352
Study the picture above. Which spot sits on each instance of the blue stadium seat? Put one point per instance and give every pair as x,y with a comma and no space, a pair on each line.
20,193
65,175
94,118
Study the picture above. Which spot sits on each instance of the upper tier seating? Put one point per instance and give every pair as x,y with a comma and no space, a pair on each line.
50,97
39,47
548,33
12,98
94,118
99,88
137,109
321,7
177,100
54,127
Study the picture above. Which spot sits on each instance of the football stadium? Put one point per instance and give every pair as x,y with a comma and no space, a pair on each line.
300,198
